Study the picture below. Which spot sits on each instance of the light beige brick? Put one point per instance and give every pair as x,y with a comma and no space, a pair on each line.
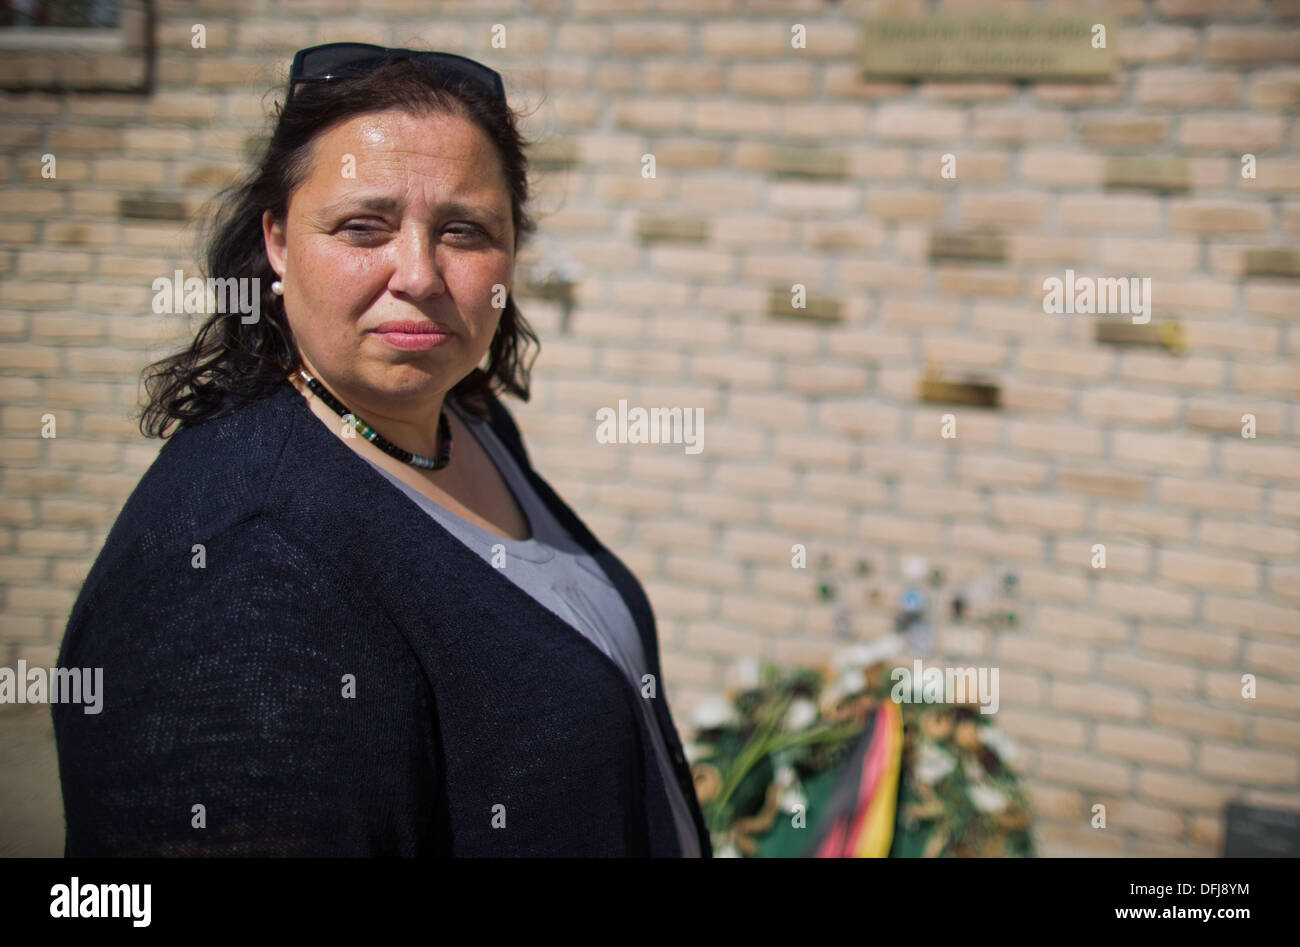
1150,674
1252,44
1123,557
1058,622
1281,660
941,500
1275,301
1216,216
1084,770
1252,615
1123,404
1258,538
721,639
1227,690
1143,600
1252,458
1016,125
1201,571
1000,471
1188,372
1277,731
1047,513
737,38
1062,167
902,122
1188,88
1038,728
1062,661
1193,716
1202,647
1233,134
1102,130
1109,212
1161,452
1249,767
1285,503
1097,700
1145,820
1072,439
1103,483
1275,89
1267,379
1184,790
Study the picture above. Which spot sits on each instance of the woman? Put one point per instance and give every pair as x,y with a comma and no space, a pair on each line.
341,614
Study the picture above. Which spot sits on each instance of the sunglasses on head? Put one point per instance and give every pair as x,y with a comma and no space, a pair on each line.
353,60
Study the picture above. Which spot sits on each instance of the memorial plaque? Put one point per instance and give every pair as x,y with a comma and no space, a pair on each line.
557,154
1261,833
943,46
972,246
808,163
151,208
1162,175
976,393
672,229
1166,334
815,309
1273,261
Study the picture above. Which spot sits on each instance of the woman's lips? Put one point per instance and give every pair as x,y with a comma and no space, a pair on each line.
412,335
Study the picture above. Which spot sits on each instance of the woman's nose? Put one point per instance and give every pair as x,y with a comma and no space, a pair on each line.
416,271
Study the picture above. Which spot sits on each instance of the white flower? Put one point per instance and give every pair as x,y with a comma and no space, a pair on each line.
985,798
850,682
792,800
1000,743
696,751
933,764
854,659
914,568
728,851
713,712
801,713
747,672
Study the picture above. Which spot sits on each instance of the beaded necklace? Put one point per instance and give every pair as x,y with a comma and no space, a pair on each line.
374,437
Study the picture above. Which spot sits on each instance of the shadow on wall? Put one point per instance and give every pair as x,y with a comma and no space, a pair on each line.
31,800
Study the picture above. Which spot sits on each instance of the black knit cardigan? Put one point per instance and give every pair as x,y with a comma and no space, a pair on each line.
333,673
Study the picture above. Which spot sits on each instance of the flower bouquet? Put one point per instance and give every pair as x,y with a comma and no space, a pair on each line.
822,762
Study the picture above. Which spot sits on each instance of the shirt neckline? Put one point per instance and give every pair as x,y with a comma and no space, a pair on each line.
531,549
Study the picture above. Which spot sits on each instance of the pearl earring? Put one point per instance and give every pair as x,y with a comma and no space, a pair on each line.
278,288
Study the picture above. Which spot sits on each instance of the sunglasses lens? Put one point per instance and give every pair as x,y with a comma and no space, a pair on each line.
464,69
352,60
340,60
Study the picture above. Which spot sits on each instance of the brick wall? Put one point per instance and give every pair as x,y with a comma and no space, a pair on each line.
777,166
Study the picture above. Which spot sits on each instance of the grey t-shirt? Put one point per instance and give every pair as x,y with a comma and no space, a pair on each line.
557,572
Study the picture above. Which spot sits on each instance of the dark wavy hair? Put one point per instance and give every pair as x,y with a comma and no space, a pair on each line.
230,362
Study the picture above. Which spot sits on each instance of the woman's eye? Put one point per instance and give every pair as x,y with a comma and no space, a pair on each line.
468,230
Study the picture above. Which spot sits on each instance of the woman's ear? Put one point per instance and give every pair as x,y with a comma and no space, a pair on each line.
273,237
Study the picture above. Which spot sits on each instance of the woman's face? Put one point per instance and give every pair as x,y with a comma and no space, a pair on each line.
401,218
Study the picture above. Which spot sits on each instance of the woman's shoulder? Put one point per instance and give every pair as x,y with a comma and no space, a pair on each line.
209,474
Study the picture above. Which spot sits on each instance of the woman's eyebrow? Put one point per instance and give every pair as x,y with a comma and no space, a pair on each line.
390,205
380,205
459,208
